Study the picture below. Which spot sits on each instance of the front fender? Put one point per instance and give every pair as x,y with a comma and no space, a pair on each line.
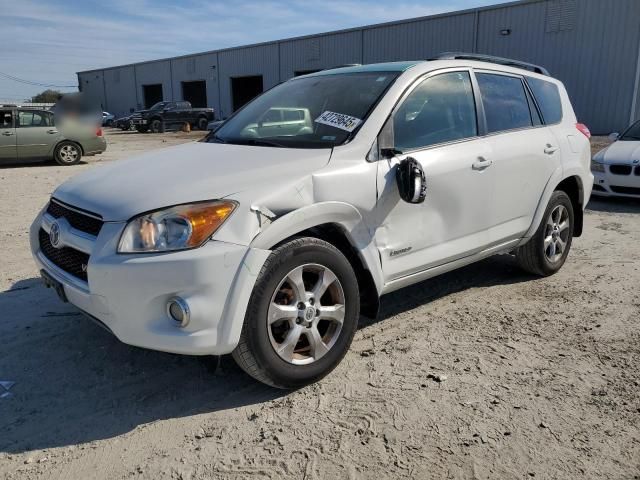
342,214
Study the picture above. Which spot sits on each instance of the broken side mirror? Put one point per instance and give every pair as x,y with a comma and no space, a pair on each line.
412,182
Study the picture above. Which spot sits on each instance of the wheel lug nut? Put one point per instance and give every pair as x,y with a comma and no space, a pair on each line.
300,306
311,301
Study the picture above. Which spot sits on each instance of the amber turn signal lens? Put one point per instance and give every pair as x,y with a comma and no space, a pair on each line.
205,219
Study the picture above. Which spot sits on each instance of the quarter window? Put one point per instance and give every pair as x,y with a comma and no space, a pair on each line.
505,102
441,109
548,98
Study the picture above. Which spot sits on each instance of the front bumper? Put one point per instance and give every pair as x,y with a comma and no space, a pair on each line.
607,184
139,121
129,293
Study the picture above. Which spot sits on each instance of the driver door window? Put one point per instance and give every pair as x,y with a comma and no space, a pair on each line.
439,110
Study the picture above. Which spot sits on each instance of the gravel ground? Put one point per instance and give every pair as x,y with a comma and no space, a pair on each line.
481,373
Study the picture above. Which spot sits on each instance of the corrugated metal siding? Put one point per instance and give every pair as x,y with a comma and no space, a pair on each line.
420,39
120,87
591,45
319,53
200,67
92,85
153,73
261,60
592,58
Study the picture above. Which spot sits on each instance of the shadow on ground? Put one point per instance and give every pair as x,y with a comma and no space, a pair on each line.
75,383
614,204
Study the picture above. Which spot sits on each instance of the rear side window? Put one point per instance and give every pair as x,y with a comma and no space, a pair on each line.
505,102
548,98
34,119
441,109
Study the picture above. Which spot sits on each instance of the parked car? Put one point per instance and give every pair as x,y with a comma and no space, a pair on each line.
107,119
124,123
170,114
27,133
617,168
270,246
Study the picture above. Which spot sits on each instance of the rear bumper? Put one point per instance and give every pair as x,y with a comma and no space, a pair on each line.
94,146
128,294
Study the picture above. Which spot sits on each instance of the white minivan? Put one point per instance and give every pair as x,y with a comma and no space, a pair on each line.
269,238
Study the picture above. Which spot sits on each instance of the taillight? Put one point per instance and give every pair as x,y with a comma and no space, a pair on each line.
99,132
583,129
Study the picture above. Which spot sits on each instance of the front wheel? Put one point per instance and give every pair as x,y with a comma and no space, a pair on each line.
302,315
202,123
155,126
545,253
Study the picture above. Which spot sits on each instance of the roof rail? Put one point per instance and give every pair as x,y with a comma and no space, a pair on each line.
489,58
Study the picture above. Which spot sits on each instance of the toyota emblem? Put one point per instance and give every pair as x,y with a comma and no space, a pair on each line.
54,234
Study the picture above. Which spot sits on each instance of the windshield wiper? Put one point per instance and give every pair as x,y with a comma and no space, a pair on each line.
215,138
258,142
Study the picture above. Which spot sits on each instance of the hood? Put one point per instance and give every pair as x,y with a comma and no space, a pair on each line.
623,152
185,173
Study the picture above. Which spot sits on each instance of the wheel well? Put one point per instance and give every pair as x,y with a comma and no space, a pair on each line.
572,186
335,235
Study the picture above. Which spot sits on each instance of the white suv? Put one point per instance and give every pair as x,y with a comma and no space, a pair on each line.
268,241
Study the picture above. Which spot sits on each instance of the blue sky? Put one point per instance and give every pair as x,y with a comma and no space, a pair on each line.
51,40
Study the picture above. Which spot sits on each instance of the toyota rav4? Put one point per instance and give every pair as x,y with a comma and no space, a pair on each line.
271,237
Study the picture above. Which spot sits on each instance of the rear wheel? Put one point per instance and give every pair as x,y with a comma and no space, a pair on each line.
302,315
67,153
545,253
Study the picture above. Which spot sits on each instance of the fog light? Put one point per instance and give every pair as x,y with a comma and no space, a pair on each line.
178,310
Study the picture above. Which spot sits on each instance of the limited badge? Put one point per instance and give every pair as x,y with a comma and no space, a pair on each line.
339,120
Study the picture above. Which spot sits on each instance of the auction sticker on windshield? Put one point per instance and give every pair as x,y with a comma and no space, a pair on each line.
339,120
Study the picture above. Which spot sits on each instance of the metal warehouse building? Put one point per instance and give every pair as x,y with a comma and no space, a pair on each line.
593,46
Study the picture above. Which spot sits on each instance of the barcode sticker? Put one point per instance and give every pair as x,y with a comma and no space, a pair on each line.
339,120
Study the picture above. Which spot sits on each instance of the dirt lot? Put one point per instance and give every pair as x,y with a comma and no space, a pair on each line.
542,375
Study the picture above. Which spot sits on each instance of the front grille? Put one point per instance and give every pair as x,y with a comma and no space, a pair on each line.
620,169
638,170
625,190
77,220
68,259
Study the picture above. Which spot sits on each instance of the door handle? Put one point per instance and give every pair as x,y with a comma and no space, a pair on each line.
7,134
481,164
52,131
550,149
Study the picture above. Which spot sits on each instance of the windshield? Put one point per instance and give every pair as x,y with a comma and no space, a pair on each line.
313,112
159,106
632,133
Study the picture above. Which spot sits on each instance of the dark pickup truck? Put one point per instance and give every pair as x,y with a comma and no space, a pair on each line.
171,114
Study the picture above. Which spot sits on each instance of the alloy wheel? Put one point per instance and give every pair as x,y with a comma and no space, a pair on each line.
556,234
68,153
306,314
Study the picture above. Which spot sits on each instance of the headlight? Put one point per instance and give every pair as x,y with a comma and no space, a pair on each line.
175,228
597,167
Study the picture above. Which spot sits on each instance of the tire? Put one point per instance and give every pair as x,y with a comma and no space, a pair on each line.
545,253
155,126
302,360
202,123
67,153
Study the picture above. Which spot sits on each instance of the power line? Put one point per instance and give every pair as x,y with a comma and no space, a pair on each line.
37,84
